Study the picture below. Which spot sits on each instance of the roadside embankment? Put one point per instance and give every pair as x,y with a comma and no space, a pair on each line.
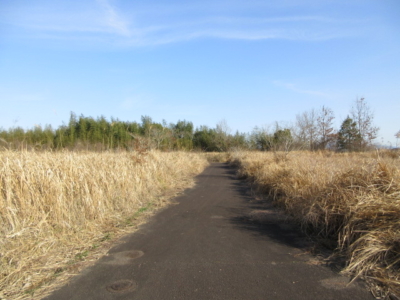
58,208
350,201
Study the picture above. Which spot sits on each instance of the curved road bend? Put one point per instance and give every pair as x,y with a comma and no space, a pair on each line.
216,243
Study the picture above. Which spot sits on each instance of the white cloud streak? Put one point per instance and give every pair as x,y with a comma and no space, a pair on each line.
114,20
294,88
105,23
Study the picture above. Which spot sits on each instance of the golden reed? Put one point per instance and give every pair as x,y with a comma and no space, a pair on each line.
56,207
351,200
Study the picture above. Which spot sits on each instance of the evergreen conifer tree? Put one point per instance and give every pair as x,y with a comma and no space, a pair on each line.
349,136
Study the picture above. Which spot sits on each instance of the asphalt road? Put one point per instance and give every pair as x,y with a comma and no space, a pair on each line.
216,243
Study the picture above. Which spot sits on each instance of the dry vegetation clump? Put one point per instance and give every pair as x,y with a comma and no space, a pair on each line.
351,201
57,207
212,157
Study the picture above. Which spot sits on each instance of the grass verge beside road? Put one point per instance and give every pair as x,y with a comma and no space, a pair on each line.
350,201
59,209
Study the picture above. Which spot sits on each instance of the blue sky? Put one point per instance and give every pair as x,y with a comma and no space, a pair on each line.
250,63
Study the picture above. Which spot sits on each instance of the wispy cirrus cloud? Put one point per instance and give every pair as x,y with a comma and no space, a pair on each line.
114,20
85,17
103,21
296,89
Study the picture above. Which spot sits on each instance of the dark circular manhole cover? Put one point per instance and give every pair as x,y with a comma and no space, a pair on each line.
121,286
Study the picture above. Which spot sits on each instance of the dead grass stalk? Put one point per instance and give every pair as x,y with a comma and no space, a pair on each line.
56,207
351,201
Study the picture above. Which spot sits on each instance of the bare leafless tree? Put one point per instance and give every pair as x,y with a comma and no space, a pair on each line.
306,129
157,135
363,116
222,131
397,135
325,130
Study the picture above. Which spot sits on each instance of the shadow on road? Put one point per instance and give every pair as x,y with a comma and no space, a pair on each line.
260,216
263,220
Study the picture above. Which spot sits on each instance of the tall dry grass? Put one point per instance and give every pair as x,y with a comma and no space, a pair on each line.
350,201
56,207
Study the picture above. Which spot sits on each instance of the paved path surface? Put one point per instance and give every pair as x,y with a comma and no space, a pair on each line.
217,243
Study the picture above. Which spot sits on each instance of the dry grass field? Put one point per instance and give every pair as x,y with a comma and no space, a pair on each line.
351,201
57,208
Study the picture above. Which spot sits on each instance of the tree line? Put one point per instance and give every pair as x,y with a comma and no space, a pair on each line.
312,130
100,134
